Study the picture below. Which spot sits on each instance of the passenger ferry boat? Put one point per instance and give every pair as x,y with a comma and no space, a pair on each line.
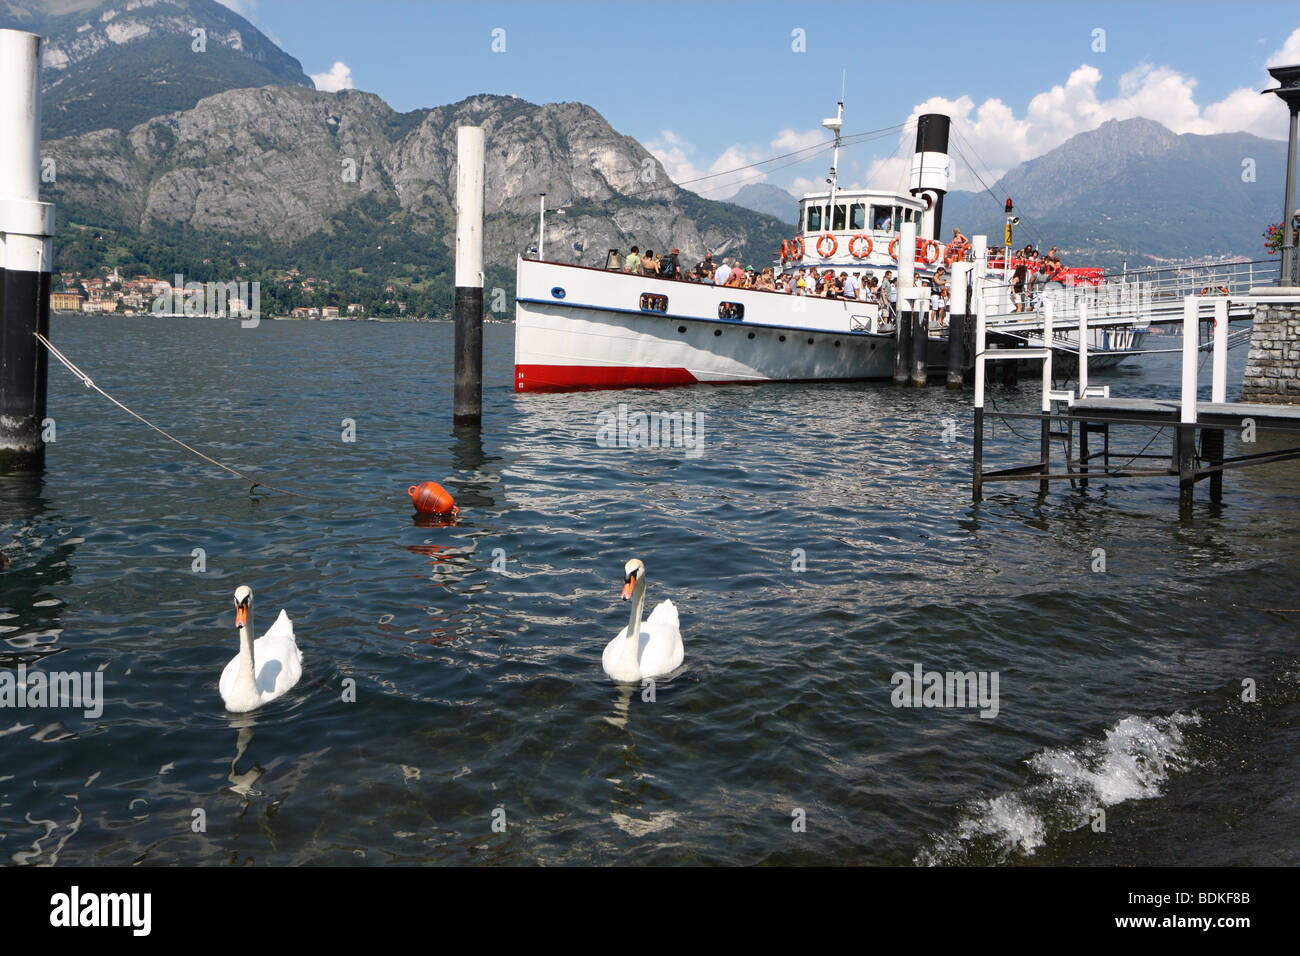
579,327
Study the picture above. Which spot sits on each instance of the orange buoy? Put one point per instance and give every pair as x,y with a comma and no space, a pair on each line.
432,499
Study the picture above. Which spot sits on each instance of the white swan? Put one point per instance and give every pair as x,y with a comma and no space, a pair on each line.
652,649
263,669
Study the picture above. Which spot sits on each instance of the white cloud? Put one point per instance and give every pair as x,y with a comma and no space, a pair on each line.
338,78
726,173
1289,52
1002,140
803,184
789,141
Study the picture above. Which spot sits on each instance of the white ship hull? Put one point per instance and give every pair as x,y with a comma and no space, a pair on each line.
582,328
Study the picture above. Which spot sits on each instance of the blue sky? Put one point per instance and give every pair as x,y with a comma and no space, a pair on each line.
709,87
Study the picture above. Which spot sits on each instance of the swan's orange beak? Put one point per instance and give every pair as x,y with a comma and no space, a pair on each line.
628,585
241,615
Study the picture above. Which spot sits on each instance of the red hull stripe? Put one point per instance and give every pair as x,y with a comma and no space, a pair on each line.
545,378
566,378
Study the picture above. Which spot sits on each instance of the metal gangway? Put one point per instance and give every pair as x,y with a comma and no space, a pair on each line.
1139,298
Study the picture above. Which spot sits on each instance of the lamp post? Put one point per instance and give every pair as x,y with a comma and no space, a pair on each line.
1295,247
1289,90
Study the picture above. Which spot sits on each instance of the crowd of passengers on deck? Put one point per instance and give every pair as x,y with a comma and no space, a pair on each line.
808,281
1031,268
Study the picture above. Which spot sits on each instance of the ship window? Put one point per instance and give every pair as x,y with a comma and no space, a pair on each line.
814,218
857,216
838,222
731,311
882,218
650,302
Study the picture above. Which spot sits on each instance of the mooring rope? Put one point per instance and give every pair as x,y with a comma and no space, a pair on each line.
89,383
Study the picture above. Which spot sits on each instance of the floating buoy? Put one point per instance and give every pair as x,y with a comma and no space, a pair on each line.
432,499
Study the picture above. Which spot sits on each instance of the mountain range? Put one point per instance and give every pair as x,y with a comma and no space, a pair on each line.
768,199
1133,191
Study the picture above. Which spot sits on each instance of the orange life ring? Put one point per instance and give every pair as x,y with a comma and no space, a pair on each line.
893,248
835,244
785,250
860,255
923,244
797,241
951,254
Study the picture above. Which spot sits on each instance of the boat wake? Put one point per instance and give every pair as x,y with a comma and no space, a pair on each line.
1067,787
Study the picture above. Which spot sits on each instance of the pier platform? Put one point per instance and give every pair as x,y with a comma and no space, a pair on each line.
1148,411
1078,419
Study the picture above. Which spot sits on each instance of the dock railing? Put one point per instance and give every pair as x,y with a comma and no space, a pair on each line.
1138,297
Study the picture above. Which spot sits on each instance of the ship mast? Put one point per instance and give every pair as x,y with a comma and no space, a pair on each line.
835,124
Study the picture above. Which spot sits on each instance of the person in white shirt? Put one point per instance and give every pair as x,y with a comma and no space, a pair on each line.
850,286
724,270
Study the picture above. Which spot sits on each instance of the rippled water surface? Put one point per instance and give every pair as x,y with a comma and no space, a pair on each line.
479,694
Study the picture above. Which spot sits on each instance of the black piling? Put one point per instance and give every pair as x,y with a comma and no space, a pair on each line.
902,345
1084,454
24,311
1185,462
920,341
1045,450
468,401
1212,452
956,350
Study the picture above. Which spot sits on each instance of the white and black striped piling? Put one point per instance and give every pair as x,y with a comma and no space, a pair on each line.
957,321
979,248
26,231
931,168
904,324
468,400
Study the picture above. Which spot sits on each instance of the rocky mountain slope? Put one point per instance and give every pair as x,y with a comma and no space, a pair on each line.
340,180
117,63
1132,190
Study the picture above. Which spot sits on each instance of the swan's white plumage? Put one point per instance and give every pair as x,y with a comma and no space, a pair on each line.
655,650
277,666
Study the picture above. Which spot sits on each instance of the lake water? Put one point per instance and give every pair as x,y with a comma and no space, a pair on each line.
823,540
